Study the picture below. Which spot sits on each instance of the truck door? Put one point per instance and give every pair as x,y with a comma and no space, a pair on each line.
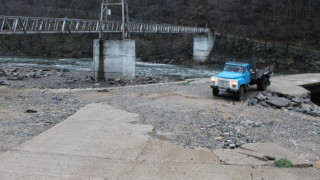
247,76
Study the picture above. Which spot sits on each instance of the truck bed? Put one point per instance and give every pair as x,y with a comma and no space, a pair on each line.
262,69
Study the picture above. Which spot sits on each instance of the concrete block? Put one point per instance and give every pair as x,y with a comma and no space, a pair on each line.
114,59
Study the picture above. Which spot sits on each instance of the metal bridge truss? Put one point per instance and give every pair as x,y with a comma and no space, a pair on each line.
35,25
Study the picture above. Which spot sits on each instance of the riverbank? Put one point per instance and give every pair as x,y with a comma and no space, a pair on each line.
33,77
184,113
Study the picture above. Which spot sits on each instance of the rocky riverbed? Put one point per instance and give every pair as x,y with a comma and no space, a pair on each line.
30,77
185,113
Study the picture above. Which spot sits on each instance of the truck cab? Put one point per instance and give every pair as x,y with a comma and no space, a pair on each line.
236,77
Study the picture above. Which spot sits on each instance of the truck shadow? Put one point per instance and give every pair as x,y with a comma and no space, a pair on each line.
251,92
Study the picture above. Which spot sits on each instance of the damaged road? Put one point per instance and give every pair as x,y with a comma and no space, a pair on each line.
168,123
82,147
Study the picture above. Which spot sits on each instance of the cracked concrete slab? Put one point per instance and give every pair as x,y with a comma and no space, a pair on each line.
291,85
101,142
240,157
276,151
162,151
251,154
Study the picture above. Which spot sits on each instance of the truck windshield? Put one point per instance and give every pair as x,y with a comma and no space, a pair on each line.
234,68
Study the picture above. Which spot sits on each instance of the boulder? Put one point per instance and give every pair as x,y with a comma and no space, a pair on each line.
309,109
219,138
294,104
4,83
252,102
278,102
308,101
15,78
71,81
250,140
89,80
291,108
232,146
11,71
264,104
32,74
38,76
261,97
31,111
297,100
182,78
299,110
267,94
2,73
57,99
306,110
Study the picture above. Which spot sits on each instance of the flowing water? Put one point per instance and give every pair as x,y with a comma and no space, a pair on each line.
86,65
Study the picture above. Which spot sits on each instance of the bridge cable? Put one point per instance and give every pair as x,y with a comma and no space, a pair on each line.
70,8
53,1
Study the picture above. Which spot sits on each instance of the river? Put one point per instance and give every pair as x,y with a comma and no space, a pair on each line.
86,65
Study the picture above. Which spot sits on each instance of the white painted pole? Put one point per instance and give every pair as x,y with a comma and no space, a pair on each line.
123,33
101,18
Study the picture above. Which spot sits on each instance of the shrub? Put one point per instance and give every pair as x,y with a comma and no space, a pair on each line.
283,163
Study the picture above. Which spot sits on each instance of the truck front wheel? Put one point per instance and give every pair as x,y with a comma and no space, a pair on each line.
215,92
240,94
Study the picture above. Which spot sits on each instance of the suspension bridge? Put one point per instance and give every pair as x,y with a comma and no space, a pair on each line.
113,58
41,25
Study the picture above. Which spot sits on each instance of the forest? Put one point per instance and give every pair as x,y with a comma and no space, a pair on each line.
286,22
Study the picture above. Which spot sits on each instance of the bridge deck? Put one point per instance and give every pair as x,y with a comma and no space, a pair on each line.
39,25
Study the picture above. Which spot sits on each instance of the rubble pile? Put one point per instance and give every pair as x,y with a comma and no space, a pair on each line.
294,104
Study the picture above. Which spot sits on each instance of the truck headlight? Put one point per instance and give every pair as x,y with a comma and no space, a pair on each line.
234,84
214,80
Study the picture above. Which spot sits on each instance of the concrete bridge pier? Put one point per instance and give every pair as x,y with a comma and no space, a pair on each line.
202,46
114,59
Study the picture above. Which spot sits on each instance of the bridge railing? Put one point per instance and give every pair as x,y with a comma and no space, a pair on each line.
38,25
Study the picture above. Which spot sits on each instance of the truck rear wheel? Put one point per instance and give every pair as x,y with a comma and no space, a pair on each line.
240,94
215,92
262,84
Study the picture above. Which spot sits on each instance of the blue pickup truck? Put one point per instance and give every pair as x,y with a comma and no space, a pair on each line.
237,76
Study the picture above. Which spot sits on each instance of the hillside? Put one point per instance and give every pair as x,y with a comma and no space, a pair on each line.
286,22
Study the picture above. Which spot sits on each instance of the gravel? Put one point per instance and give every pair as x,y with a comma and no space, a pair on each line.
187,113
220,124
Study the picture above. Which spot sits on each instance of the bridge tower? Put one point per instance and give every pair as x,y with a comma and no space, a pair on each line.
105,12
114,59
